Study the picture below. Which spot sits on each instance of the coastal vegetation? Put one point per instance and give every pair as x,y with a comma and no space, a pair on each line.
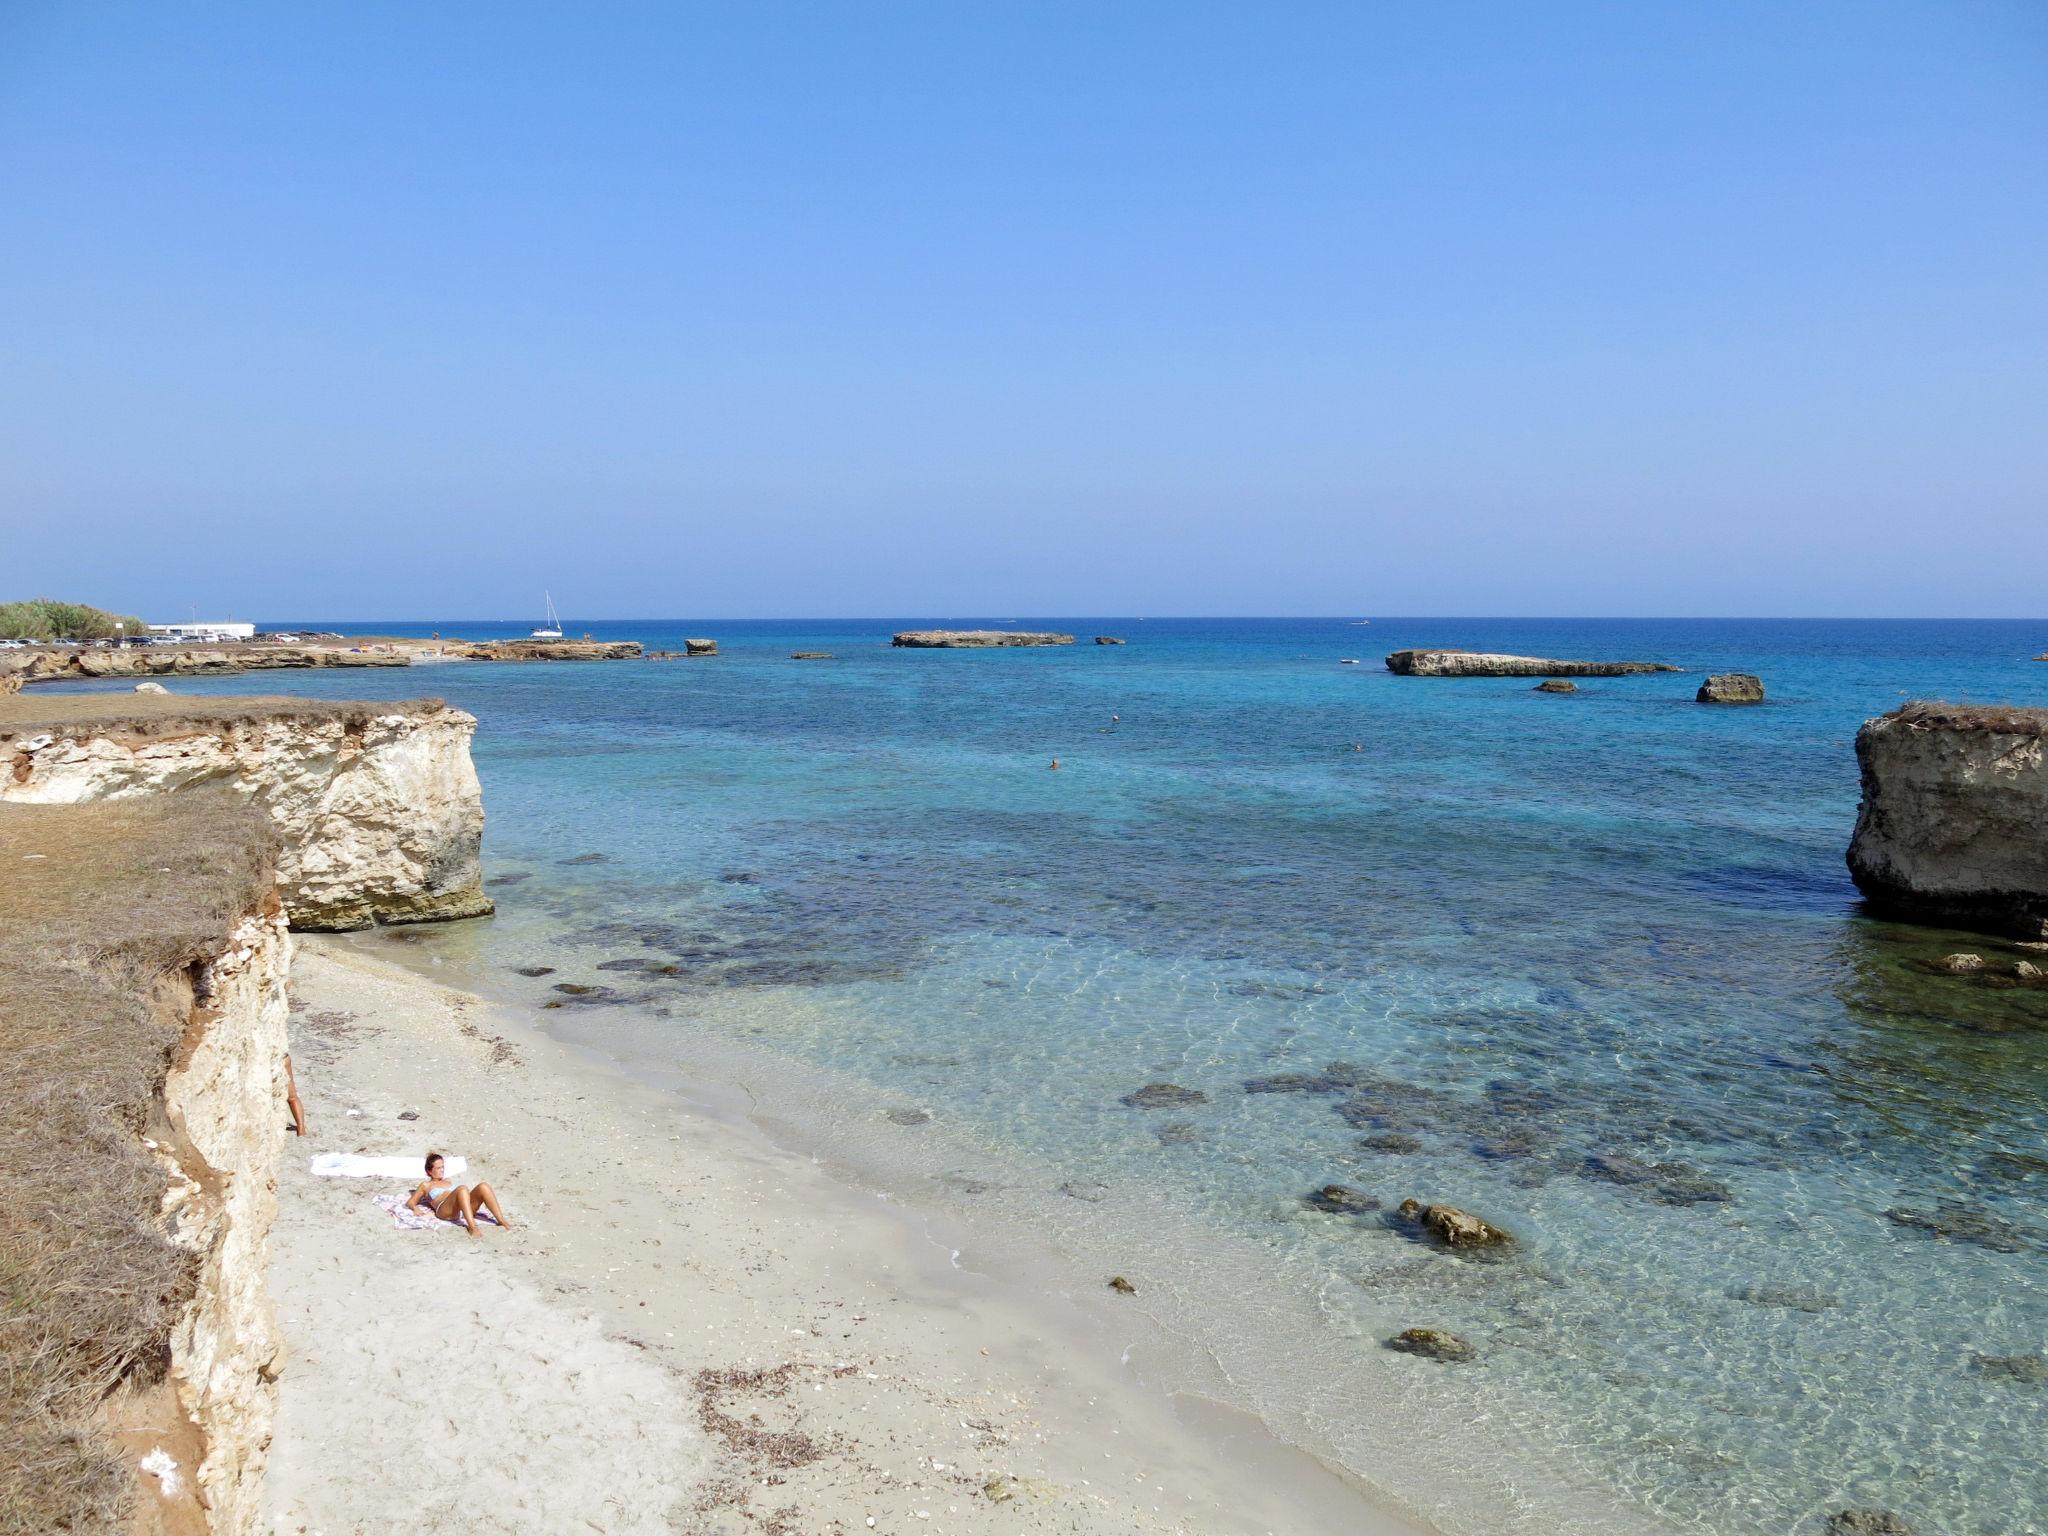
101,905
43,618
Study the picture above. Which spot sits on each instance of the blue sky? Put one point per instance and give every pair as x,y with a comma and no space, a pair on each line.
392,310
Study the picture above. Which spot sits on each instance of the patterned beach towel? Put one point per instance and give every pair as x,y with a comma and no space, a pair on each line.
418,1221
411,1221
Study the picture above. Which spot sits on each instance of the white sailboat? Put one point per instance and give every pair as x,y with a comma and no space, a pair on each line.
552,630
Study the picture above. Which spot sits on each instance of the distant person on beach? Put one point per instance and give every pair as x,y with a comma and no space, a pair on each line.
455,1202
291,1098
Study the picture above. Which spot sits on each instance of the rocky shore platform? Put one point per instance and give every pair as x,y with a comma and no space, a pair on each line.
975,639
1449,663
62,663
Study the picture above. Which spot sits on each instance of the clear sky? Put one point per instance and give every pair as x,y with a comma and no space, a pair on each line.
411,310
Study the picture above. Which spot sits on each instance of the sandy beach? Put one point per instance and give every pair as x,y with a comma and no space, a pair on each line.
689,1328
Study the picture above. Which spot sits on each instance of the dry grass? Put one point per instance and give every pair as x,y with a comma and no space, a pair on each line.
98,937
147,714
1931,714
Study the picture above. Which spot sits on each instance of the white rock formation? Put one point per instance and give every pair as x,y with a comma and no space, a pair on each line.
225,1102
1954,823
1447,663
379,805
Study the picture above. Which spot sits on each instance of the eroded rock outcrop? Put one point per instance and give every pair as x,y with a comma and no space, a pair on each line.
224,1099
378,805
1953,827
975,639
56,664
546,650
1731,688
1419,663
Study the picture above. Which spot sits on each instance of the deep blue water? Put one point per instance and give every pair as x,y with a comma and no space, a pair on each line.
1592,963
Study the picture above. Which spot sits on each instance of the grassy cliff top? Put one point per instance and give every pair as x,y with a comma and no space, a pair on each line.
23,714
103,910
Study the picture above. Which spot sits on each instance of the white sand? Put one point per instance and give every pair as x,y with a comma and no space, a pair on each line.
690,1329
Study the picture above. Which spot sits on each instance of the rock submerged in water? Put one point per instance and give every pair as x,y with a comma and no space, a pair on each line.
1953,1222
810,655
1396,1143
1666,1182
586,858
1164,1096
1433,1344
1795,1298
535,970
1444,663
1108,640
1731,688
1343,1200
909,1116
1867,1522
1557,685
1452,1227
1959,964
2030,1370
1293,1082
1122,1286
1953,828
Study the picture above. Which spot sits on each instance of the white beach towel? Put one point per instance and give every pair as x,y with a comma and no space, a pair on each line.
354,1165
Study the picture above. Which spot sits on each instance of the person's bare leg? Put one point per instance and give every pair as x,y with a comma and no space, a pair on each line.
291,1097
455,1206
484,1196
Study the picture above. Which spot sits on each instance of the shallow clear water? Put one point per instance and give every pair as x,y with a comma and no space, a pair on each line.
1594,964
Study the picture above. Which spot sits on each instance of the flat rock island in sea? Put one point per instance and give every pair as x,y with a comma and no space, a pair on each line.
975,639
1491,664
1954,823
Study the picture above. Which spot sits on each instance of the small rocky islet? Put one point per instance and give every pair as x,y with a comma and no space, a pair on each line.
974,639
1455,663
1731,688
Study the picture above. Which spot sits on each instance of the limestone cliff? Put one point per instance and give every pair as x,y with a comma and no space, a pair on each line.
1954,823
224,1099
378,805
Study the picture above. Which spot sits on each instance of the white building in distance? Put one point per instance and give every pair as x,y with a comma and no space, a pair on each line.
197,631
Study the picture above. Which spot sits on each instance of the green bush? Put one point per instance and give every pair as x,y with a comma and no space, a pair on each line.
40,618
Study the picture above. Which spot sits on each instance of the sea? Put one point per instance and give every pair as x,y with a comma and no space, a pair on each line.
1589,966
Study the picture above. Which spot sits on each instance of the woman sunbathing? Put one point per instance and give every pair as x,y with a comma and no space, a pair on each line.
455,1202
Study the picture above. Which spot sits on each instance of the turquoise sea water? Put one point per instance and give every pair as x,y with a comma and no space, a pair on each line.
1591,965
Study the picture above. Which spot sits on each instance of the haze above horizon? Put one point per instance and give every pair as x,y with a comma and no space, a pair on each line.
1580,309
